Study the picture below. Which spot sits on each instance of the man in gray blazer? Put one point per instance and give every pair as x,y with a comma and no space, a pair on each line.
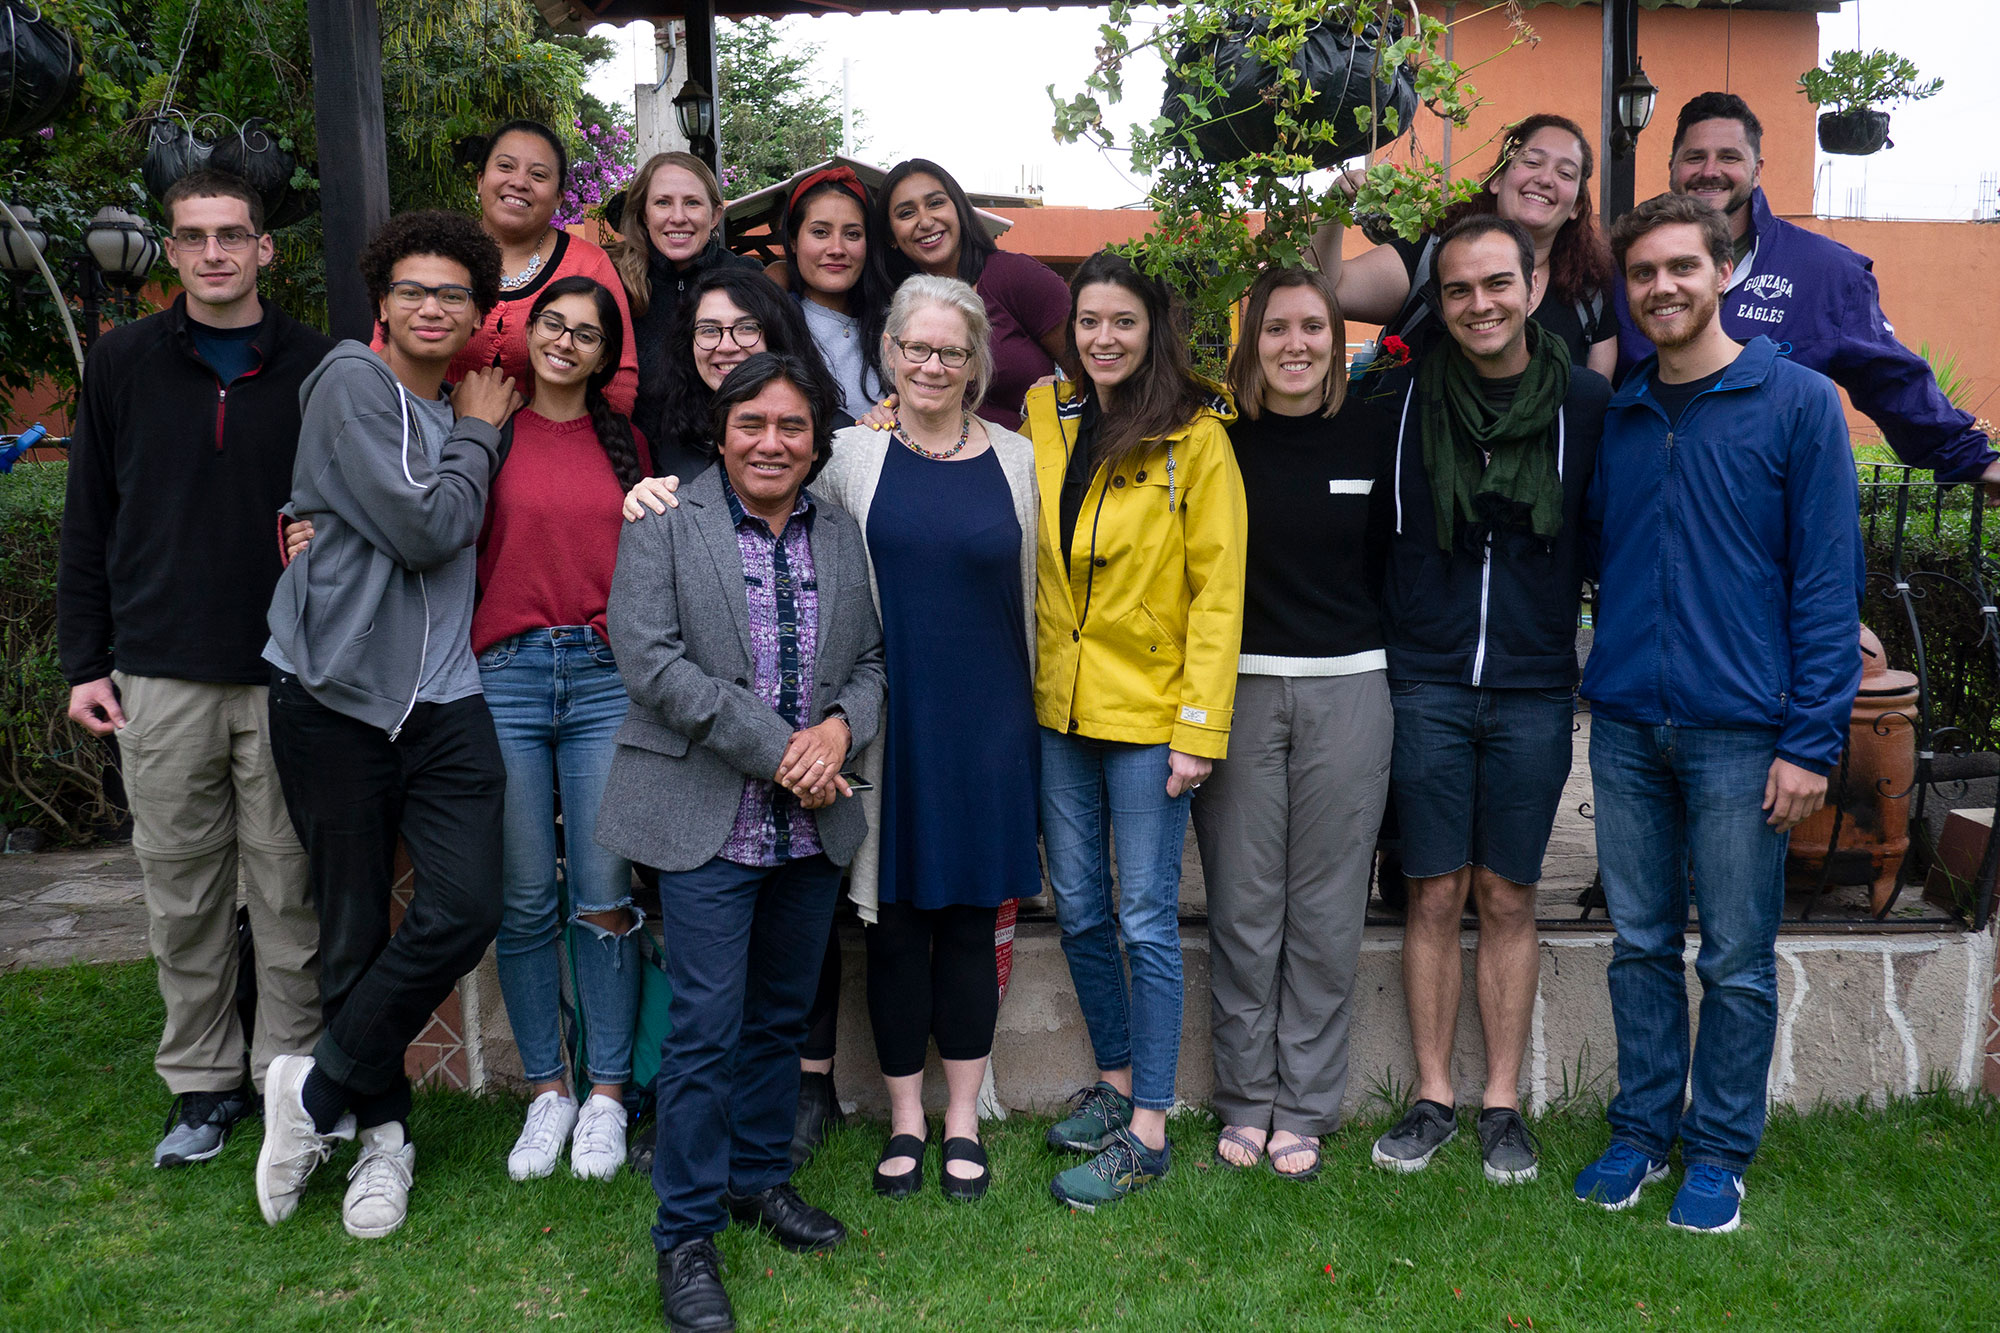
750,647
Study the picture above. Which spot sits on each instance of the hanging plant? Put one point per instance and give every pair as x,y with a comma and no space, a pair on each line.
1855,86
40,69
1260,94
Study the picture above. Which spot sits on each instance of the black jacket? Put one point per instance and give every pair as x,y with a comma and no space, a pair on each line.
651,329
1499,613
169,534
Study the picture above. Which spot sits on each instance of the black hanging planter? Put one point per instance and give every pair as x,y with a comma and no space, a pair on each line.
1857,132
176,147
1339,66
40,69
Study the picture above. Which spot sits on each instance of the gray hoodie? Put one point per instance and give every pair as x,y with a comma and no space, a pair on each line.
376,613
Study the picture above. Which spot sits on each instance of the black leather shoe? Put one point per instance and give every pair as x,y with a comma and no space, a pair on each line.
792,1222
692,1299
819,1111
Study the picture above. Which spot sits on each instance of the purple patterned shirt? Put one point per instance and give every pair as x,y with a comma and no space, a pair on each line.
771,828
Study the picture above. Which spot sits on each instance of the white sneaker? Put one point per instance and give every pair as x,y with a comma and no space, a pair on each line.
599,1148
379,1198
551,1117
292,1146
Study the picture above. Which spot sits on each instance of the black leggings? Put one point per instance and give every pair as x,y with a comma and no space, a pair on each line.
823,1019
931,974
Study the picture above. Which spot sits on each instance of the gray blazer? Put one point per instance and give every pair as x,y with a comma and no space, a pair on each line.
680,622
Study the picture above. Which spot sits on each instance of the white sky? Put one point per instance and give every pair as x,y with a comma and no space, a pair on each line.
984,111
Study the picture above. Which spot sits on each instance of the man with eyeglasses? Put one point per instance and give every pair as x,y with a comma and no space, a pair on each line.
181,454
377,720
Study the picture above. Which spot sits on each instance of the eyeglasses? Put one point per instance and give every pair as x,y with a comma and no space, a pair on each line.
585,338
451,298
231,239
951,358
744,333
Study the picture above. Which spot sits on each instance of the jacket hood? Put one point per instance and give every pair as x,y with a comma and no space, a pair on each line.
346,350
1751,366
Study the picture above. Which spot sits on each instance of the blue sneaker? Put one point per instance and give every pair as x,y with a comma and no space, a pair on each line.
1710,1199
1613,1181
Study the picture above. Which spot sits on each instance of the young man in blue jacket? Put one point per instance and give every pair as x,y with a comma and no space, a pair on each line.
1486,567
1727,519
1812,297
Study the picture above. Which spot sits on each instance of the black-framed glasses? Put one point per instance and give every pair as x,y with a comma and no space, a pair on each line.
584,337
409,295
232,239
744,333
951,358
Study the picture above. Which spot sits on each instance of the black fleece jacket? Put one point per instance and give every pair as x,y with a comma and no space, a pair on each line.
169,534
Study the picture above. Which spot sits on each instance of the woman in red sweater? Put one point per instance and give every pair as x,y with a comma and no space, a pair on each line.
545,562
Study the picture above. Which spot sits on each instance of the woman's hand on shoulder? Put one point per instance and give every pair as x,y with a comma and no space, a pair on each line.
654,493
487,393
881,416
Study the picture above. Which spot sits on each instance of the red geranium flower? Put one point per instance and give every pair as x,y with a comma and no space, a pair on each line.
1397,348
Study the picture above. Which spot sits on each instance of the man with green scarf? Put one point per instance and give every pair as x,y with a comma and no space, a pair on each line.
1493,461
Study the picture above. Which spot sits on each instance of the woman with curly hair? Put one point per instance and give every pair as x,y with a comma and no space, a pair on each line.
1542,181
378,727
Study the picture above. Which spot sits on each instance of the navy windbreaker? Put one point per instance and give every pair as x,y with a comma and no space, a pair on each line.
1817,300
1729,559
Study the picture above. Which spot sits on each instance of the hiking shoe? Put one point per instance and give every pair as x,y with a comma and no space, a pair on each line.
1613,1181
1125,1165
1507,1146
198,1124
1710,1199
1424,1129
599,1147
378,1199
1096,1115
293,1145
551,1117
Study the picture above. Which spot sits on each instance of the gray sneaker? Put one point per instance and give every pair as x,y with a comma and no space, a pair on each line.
292,1147
1424,1129
198,1124
1509,1148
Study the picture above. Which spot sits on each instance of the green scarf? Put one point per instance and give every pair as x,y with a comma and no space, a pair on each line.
1514,486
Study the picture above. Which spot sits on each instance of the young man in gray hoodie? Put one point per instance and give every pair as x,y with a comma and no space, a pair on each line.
377,720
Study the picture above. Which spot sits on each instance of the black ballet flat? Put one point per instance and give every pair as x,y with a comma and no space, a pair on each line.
903,1186
964,1189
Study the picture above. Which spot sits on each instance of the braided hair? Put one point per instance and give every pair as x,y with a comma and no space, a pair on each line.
614,428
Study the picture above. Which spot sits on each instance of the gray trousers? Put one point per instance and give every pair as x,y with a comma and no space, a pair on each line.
1287,827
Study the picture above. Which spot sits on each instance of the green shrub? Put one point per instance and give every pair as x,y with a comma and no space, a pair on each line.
51,770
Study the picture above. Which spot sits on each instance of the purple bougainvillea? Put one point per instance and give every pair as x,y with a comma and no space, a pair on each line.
597,173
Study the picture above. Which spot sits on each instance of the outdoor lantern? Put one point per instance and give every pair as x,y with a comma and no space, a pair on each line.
695,110
122,244
1635,101
15,253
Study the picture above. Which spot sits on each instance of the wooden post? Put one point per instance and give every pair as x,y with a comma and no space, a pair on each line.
699,19
1621,44
353,152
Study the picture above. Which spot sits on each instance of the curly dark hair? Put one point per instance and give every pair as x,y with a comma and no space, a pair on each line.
614,428
433,231
684,421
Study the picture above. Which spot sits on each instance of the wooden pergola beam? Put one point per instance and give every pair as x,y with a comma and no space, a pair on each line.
354,152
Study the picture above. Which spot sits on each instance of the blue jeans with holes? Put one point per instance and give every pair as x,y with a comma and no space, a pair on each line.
1096,794
1675,802
557,703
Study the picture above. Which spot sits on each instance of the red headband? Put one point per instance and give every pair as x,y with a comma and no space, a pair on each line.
842,176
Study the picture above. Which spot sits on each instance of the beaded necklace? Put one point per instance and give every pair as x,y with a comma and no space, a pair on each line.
964,434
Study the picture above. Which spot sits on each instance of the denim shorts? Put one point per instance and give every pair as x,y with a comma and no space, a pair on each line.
1477,776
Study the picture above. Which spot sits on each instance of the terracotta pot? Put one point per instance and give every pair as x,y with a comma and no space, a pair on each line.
1874,800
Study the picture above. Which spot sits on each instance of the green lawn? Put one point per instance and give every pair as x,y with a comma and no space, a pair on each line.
1877,1220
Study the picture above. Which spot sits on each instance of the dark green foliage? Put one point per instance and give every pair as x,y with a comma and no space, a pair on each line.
776,116
51,770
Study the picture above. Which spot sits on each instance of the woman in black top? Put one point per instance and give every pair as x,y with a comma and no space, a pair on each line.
1287,822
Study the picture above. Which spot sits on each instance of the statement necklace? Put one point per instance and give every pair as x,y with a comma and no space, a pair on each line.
964,434
526,275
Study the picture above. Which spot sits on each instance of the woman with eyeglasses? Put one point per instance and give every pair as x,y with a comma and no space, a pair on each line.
932,228
546,556
946,505
522,169
1139,615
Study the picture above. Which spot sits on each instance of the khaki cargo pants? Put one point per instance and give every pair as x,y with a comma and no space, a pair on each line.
206,811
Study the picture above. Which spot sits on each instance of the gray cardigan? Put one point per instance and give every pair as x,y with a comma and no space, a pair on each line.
680,622
849,481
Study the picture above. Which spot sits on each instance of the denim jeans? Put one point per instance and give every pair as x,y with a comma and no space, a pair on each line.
743,949
1674,802
1092,793
557,703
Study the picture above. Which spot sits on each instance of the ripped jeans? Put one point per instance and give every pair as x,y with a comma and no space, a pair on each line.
557,702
